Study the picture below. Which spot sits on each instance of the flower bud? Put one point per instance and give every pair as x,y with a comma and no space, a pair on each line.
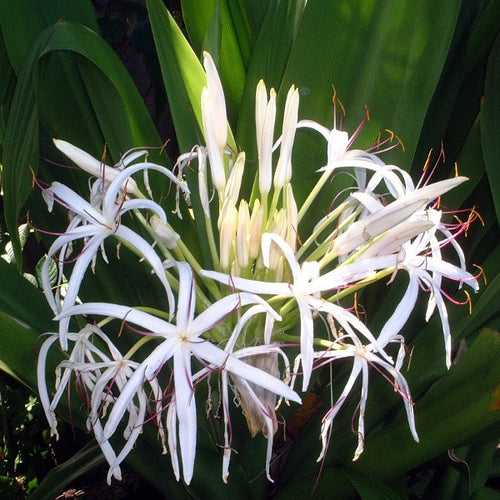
215,152
164,232
256,224
283,172
93,166
278,227
202,182
227,235
265,115
242,235
232,191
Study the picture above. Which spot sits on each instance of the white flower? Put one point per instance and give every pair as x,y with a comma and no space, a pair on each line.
180,342
303,289
96,225
390,215
425,272
363,357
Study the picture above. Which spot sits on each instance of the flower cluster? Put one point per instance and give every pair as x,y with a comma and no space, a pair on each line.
269,285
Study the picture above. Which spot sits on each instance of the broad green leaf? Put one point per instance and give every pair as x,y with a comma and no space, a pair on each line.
370,488
199,20
490,124
23,22
458,407
63,475
393,68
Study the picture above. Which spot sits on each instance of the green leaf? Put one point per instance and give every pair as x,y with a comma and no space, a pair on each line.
62,476
490,124
23,22
458,407
393,68
200,19
21,141
370,488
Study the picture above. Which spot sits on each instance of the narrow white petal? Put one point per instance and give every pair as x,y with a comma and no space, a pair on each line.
147,251
361,417
401,314
211,316
147,321
306,342
253,286
42,383
76,203
221,359
141,204
172,438
186,411
267,240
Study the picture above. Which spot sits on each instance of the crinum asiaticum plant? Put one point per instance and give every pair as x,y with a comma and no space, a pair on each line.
269,286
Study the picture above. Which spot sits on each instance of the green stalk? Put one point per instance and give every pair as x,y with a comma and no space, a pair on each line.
312,195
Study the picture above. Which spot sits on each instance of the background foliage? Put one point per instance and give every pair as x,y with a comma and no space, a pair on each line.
109,75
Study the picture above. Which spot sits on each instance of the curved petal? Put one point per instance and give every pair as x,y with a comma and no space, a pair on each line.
267,240
76,203
42,384
147,321
253,286
141,204
211,316
186,411
222,359
306,342
75,281
401,314
147,251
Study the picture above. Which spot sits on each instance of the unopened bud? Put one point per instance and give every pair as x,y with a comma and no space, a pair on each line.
227,236
242,235
283,172
256,225
202,182
278,227
93,166
164,232
265,115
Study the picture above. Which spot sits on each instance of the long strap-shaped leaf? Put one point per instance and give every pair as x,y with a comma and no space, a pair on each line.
21,140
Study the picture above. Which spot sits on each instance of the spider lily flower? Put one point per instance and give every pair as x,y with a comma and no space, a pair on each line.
303,289
82,350
424,272
392,214
363,357
258,404
397,181
180,342
214,117
283,172
265,116
96,226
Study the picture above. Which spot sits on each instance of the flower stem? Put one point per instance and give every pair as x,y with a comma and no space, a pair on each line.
312,195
